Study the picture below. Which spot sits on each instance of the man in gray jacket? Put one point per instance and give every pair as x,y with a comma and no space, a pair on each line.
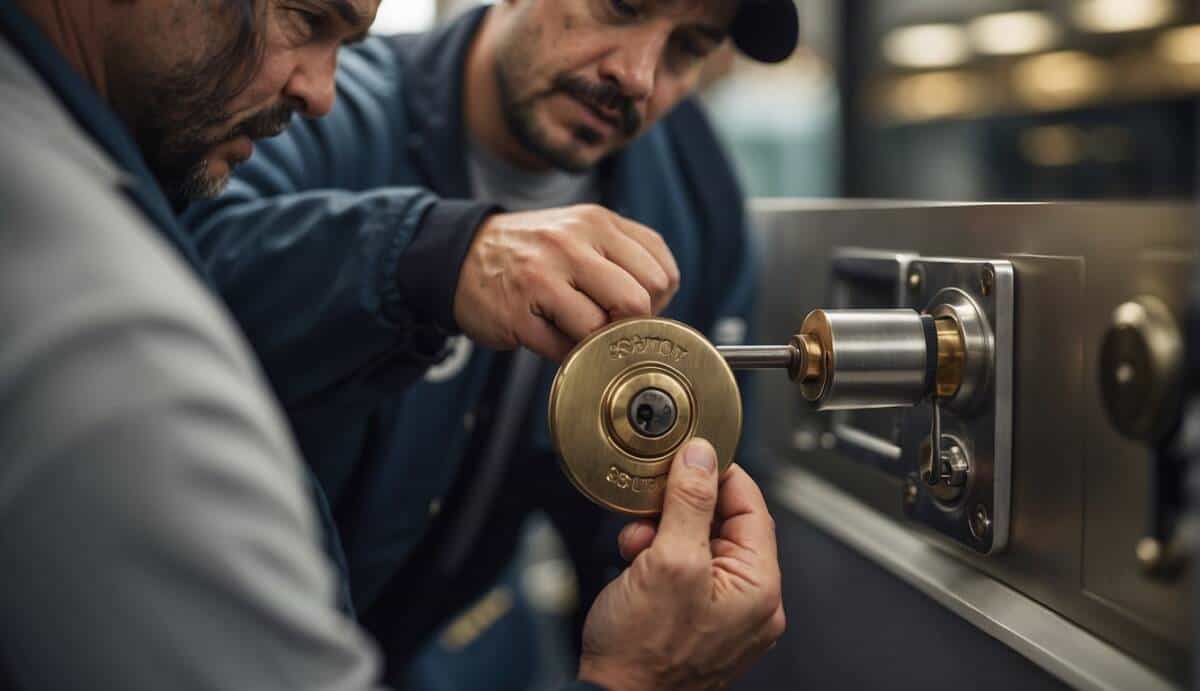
158,527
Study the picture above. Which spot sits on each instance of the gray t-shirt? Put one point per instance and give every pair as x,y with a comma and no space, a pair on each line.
156,527
496,180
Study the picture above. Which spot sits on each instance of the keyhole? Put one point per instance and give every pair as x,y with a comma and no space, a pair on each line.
652,412
645,415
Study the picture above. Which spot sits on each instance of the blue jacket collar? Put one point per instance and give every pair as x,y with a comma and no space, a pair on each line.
98,120
435,71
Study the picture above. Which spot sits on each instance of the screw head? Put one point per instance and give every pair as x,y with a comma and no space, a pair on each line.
980,522
911,492
914,279
652,412
1149,552
987,280
1163,559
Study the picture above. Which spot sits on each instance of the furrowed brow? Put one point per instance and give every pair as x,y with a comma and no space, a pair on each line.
349,13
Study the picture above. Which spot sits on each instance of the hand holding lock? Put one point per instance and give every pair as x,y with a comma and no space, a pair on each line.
701,599
547,279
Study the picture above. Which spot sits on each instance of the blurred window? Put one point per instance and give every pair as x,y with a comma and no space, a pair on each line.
779,122
1021,100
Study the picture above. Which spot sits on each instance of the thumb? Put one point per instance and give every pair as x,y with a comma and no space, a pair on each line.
691,497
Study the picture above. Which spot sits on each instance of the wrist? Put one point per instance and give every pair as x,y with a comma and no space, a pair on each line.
427,269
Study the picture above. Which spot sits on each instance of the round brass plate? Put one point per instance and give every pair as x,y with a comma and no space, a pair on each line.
603,454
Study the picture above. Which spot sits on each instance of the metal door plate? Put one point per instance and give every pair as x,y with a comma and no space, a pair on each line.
979,518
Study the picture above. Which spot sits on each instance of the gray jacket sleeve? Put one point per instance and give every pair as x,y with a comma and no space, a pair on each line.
157,530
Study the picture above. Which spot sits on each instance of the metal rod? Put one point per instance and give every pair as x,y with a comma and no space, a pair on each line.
759,356
933,474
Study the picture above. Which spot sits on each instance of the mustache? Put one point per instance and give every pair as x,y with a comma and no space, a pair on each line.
268,123
603,96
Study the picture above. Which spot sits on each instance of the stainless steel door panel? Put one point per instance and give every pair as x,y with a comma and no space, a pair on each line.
1079,489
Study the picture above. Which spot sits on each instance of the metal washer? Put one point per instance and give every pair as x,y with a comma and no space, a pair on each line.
605,457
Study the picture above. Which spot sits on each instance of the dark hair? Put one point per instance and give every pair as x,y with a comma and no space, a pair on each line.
175,111
246,49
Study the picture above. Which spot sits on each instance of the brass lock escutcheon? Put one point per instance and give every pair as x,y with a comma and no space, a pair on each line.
627,397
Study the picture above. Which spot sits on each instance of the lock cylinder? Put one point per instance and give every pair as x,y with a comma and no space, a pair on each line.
870,358
857,359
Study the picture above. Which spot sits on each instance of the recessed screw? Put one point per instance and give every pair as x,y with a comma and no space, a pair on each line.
911,493
1149,553
980,523
987,280
1164,559
914,279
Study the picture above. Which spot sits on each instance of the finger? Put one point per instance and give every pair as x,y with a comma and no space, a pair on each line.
657,247
626,252
635,538
543,338
573,313
690,499
742,511
610,286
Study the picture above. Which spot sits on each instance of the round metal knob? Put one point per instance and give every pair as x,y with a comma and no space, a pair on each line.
1141,361
627,397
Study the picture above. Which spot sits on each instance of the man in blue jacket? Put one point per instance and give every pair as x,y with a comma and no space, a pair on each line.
351,248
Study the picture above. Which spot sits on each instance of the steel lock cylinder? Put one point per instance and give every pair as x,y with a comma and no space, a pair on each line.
870,358
857,359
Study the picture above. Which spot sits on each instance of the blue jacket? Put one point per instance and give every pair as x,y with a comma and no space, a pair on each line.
338,247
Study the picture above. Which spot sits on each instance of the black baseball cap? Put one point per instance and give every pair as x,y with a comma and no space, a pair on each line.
766,30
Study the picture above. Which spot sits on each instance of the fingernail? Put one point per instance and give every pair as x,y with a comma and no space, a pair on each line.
700,455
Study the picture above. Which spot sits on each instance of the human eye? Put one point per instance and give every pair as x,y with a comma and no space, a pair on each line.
306,23
692,47
624,9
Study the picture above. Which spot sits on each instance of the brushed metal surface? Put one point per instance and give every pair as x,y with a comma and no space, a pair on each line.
1079,490
1074,655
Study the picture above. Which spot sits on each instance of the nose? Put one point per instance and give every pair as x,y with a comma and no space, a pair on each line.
312,83
634,64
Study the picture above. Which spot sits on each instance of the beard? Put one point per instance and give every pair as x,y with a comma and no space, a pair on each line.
183,121
181,162
178,114
520,114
